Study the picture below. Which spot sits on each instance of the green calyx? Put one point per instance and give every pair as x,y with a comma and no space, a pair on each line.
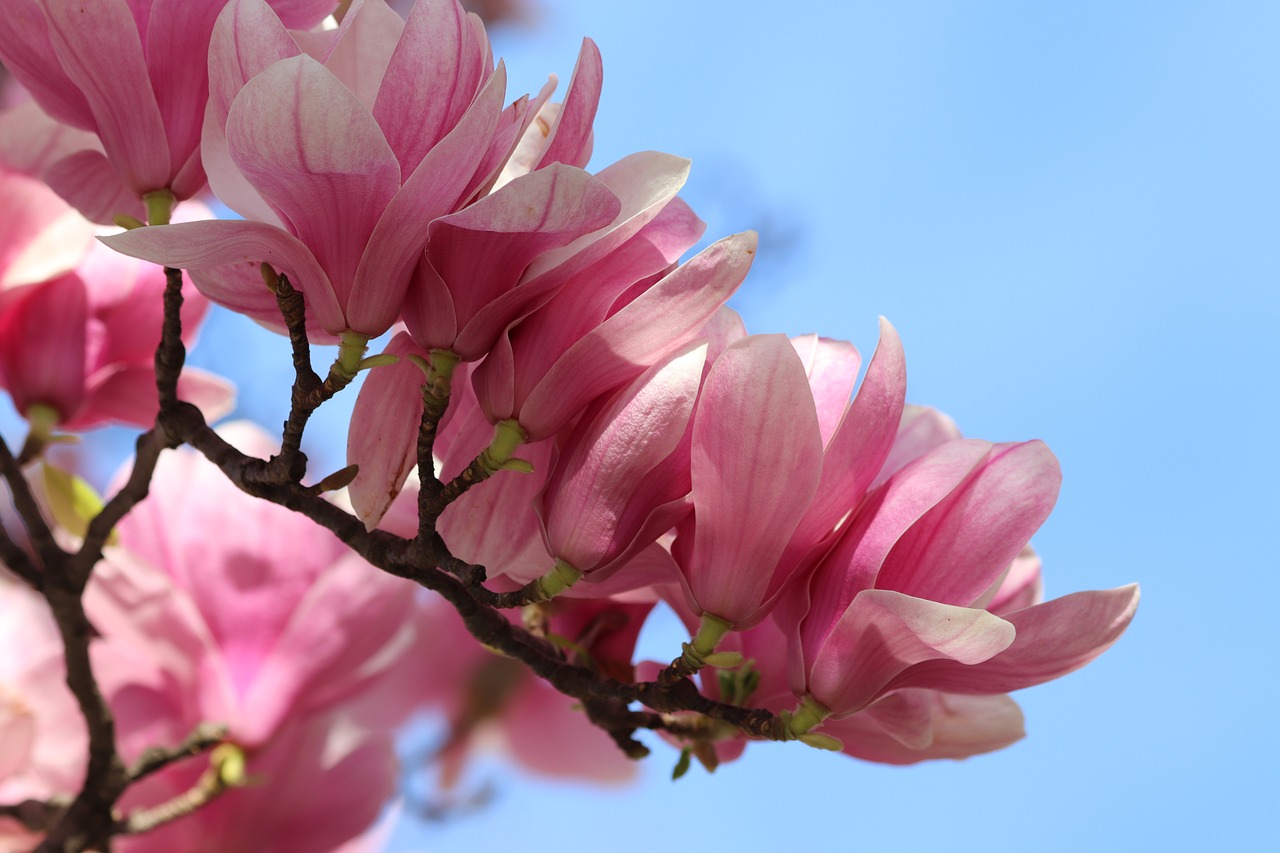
702,651
351,349
561,577
159,204
508,435
807,715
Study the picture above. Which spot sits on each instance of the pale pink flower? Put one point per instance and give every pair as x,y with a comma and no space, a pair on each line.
130,73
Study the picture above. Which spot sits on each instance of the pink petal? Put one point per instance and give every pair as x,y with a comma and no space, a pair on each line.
212,244
439,53
90,184
755,425
1053,639
247,39
42,345
857,449
343,623
883,634
964,542
921,430
625,344
958,727
1021,587
383,435
569,140
100,50
317,156
27,50
43,238
832,368
432,190
363,47
178,32
30,140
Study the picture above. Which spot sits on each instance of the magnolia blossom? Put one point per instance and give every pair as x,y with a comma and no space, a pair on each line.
622,478
79,323
340,148
911,596
772,478
277,631
122,70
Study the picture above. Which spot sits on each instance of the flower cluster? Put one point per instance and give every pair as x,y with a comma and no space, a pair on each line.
566,429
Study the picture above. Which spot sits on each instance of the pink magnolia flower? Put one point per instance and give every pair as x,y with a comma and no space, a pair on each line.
907,597
277,621
341,161
123,70
77,347
772,478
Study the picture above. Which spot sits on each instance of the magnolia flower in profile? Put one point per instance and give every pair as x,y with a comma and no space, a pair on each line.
930,587
129,73
766,417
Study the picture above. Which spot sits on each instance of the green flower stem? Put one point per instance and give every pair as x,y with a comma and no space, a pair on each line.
159,204
561,577
42,419
508,435
351,349
439,381
702,651
808,714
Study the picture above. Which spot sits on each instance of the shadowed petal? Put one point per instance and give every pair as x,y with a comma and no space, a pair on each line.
884,633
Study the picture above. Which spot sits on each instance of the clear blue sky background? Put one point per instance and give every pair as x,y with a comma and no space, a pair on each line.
1070,212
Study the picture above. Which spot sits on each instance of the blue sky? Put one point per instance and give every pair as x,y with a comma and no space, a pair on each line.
1071,214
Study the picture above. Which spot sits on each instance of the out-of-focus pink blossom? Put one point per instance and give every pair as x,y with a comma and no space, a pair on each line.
42,737
129,72
79,323
487,698
217,608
